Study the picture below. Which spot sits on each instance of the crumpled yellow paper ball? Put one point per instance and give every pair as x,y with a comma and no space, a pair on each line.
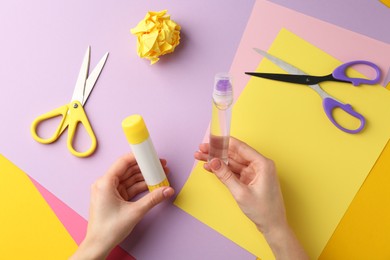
156,35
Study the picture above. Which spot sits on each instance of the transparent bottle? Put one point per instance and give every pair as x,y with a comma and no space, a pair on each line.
221,117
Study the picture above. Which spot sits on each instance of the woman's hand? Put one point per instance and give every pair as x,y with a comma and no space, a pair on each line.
112,215
253,182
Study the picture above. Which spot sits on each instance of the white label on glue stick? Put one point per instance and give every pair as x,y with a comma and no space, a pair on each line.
148,162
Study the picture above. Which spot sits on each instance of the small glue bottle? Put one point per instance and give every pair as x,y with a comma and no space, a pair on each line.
221,117
146,156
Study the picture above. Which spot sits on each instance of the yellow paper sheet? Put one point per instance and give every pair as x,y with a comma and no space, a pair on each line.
364,231
320,167
386,2
29,229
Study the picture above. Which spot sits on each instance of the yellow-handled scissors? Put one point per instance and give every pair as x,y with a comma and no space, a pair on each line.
73,113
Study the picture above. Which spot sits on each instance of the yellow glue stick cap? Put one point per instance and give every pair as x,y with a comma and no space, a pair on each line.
135,129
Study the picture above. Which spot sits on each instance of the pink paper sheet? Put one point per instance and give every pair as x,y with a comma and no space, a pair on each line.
268,18
73,222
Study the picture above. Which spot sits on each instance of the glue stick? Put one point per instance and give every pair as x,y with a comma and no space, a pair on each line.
222,100
141,144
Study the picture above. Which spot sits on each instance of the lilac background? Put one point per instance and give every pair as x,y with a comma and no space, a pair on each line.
42,45
367,17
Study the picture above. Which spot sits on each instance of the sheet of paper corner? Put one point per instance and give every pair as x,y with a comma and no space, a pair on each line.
386,82
41,234
74,224
386,2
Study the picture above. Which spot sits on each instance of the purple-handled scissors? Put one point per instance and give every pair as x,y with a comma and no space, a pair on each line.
329,103
339,75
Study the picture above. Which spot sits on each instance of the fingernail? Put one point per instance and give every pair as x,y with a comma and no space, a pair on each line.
168,192
215,164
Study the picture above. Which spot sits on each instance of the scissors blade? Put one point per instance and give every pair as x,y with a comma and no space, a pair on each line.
290,78
294,70
92,78
293,78
78,93
281,63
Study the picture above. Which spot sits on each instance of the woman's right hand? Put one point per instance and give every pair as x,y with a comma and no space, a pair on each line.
253,182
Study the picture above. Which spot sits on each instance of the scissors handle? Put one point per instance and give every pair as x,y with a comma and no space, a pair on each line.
341,73
72,115
61,111
77,116
330,104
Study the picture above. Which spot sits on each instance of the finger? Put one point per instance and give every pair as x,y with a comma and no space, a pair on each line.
204,148
225,175
132,180
154,198
202,153
243,153
206,166
163,162
131,171
235,166
200,156
164,165
134,169
166,170
135,177
121,165
136,189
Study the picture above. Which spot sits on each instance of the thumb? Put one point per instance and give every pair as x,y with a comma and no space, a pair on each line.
225,175
154,198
